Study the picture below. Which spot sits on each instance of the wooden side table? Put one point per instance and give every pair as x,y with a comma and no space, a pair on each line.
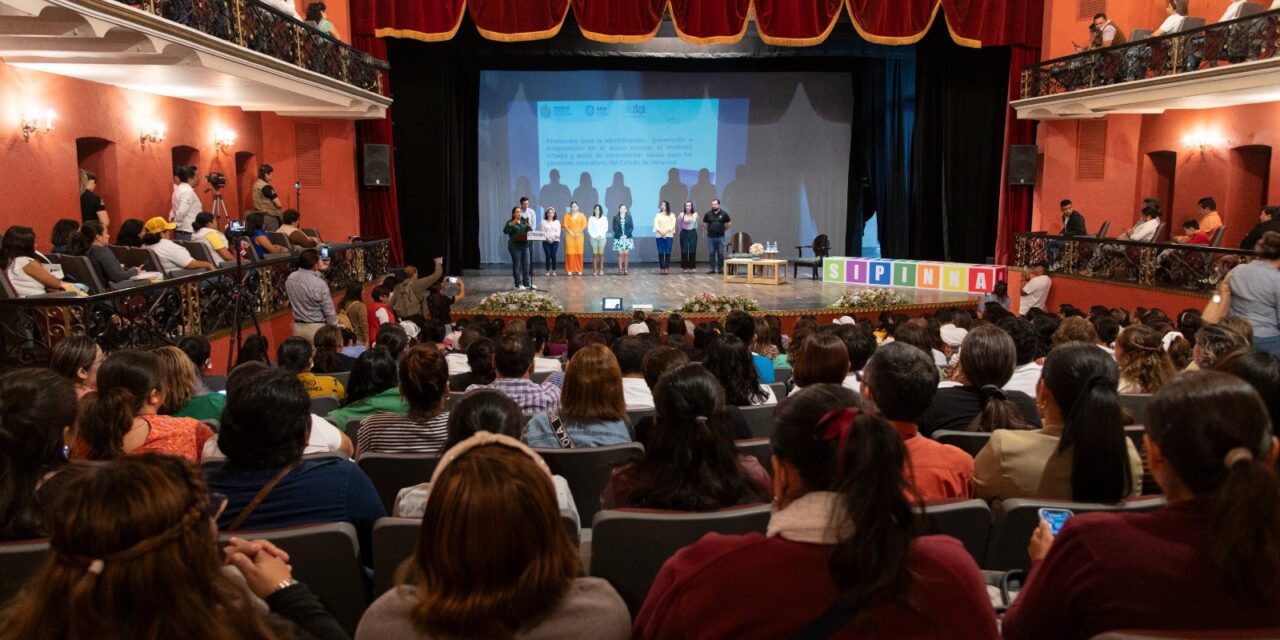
766,271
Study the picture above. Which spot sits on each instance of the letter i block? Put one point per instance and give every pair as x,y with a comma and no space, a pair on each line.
983,277
833,269
955,277
856,271
928,275
904,273
880,273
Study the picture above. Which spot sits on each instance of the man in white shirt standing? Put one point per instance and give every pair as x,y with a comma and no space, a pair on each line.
1036,290
185,203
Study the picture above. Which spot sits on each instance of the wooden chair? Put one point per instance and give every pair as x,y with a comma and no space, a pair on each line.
821,249
740,243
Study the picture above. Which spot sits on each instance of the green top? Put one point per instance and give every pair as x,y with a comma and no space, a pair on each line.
513,230
206,407
388,401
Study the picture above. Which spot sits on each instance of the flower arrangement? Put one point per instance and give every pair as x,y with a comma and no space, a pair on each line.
756,250
870,299
520,301
710,303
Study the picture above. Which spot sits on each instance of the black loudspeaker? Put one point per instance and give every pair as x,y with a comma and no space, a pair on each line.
377,165
1022,164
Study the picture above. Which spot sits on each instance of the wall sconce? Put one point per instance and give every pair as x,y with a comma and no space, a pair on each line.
1203,141
224,139
35,123
153,134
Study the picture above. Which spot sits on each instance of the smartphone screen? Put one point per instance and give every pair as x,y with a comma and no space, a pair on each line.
1056,518
451,280
324,253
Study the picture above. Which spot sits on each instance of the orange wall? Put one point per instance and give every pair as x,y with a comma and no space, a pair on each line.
40,184
1084,293
1214,172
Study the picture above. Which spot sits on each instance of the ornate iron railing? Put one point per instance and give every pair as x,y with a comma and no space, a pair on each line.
1188,267
1255,37
256,26
163,312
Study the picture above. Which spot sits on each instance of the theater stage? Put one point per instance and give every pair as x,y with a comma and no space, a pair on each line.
585,294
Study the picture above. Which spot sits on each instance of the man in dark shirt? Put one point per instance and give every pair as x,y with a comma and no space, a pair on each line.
1072,220
1268,220
716,222
92,207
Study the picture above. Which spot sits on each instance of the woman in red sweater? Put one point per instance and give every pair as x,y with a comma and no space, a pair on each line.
841,558
1209,560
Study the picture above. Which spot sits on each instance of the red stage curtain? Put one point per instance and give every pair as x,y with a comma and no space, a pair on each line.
972,23
1015,201
379,209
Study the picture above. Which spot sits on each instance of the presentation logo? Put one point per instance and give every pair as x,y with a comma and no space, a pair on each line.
591,110
545,111
636,109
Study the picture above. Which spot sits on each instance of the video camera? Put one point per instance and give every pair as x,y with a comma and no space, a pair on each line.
216,180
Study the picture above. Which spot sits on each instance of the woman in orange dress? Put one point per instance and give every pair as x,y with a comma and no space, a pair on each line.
575,226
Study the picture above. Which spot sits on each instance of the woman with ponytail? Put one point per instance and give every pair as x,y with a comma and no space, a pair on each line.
1081,453
841,558
1210,559
1144,365
976,399
690,462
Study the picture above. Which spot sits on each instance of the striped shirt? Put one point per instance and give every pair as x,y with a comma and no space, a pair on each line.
393,433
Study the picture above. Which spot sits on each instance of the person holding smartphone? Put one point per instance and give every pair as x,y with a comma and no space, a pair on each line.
1209,559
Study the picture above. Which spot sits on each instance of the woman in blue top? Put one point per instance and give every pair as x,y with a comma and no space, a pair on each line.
624,226
255,230
592,409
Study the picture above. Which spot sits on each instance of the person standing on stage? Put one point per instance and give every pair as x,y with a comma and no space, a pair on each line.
550,238
598,229
517,231
530,218
664,230
624,228
687,223
716,222
574,224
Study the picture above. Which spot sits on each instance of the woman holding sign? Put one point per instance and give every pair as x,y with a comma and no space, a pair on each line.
624,227
664,231
517,231
574,224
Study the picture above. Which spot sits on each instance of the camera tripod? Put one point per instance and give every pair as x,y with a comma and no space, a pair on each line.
221,218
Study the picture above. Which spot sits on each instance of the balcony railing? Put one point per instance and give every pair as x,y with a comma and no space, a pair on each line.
163,312
1187,267
266,30
1256,37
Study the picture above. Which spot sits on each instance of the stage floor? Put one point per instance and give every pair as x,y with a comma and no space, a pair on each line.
586,293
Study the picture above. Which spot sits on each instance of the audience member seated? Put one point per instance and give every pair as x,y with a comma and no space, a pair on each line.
1144,365
1082,452
158,237
255,229
630,352
294,355
730,362
185,395
77,358
373,387
203,230
457,358
859,343
353,315
481,410
841,545
1262,371
514,362
393,338
329,357
63,231
91,242
122,416
198,350
955,325
690,462
267,483
21,265
130,234
1075,329
821,359
289,227
659,362
902,380
766,342
541,363
742,325
980,402
424,384
1213,342
496,561
579,340
1026,344
915,332
591,410
1268,220
255,348
323,437
480,371
140,530
36,407
1210,559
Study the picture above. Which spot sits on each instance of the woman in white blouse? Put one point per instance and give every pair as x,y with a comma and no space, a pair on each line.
664,233
598,231
21,267
550,238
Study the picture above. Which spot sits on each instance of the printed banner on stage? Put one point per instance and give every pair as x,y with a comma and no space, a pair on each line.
914,274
